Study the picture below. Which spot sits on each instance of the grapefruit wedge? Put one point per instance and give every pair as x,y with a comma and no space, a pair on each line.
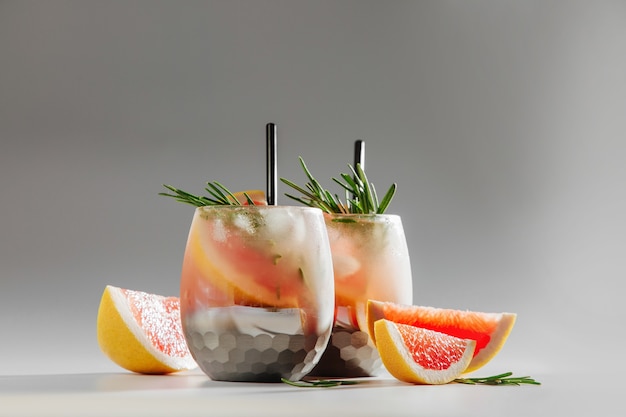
257,197
489,330
142,332
251,276
421,356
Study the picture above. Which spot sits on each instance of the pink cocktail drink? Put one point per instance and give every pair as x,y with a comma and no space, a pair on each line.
257,291
371,261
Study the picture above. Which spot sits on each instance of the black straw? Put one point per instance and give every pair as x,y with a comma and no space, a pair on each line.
359,153
272,174
359,156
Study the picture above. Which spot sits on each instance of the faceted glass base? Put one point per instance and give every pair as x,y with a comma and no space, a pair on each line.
252,344
350,353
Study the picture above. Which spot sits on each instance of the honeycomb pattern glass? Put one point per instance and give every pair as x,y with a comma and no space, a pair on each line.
257,291
370,261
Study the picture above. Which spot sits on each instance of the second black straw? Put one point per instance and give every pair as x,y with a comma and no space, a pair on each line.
359,153
271,168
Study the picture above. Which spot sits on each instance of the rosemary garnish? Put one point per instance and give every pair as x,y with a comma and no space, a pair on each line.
501,379
360,197
220,196
323,383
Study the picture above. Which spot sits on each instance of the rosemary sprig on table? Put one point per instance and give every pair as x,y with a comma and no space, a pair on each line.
322,383
501,379
360,197
219,196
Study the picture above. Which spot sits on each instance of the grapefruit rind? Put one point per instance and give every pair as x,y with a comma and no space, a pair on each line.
257,196
399,362
498,338
123,341
500,327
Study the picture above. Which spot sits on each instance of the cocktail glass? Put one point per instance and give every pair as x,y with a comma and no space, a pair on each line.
257,291
371,261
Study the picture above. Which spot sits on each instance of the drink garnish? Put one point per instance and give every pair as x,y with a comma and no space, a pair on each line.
361,197
219,196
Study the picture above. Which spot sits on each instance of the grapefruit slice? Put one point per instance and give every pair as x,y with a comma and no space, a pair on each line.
251,276
142,332
421,356
489,330
257,197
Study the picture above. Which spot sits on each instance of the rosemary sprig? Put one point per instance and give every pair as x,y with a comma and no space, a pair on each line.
219,196
360,194
323,383
501,379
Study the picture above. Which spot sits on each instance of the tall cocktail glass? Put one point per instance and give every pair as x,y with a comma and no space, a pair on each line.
257,291
371,261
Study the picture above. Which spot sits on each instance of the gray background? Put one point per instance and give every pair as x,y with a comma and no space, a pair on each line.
503,123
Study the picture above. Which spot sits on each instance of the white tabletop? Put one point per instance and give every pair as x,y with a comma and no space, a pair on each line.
192,393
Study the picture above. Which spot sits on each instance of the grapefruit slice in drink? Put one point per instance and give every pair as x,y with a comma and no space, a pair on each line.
257,197
489,330
142,332
421,356
256,257
245,275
